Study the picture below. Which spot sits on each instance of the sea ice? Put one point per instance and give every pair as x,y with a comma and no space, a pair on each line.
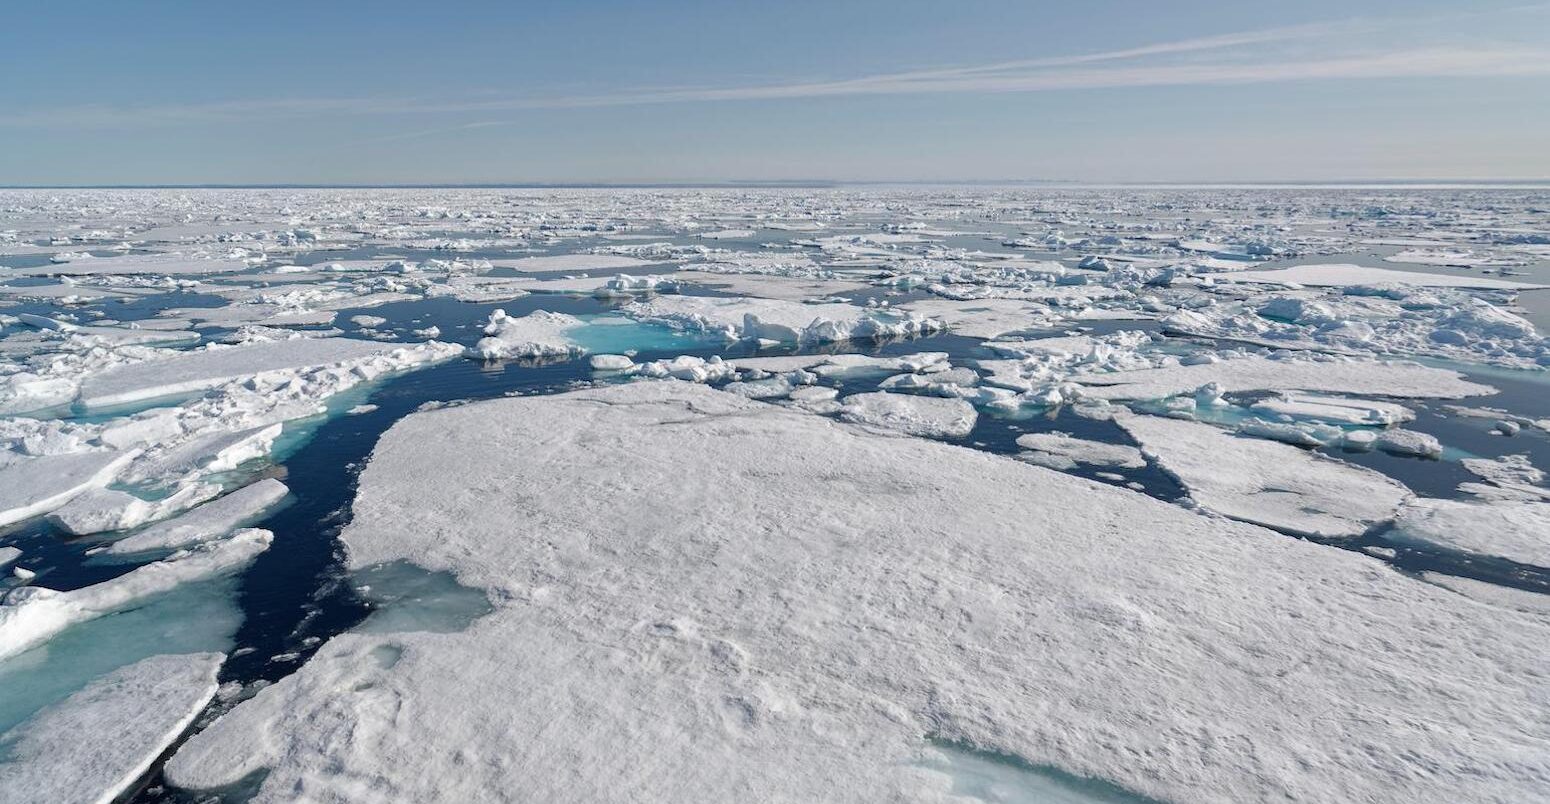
30,615
907,413
30,486
1061,451
1267,483
537,334
1354,275
209,521
1324,375
1517,530
93,745
756,603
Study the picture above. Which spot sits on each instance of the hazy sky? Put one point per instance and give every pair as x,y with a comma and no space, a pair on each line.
1099,90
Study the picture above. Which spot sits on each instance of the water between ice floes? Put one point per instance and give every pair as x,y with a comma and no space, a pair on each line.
296,595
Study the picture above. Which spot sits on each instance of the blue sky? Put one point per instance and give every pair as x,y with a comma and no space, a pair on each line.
384,92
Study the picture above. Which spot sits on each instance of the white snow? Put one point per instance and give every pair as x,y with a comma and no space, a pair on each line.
1325,375
537,334
30,486
698,597
1518,530
209,521
1343,275
907,413
1267,483
90,747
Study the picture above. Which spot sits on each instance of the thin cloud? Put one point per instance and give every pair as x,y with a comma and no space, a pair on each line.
1236,58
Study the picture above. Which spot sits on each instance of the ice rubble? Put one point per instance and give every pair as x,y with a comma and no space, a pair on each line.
92,746
30,615
1335,409
537,334
569,262
209,521
803,618
1267,483
776,320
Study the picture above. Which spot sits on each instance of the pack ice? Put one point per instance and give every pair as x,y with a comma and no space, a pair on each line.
717,598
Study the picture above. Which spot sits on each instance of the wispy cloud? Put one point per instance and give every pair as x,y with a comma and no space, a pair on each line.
1297,53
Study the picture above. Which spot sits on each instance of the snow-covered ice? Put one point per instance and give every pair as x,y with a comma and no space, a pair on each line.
93,745
209,521
30,615
1267,483
729,615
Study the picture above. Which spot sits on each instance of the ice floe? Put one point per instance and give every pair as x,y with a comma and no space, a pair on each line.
92,746
804,617
1267,483
30,615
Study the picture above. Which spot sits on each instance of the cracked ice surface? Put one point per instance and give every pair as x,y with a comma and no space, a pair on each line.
710,592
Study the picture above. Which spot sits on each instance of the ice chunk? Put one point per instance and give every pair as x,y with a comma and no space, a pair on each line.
201,369
569,262
537,334
209,521
1409,442
1336,409
1513,529
756,603
1331,375
1080,450
30,615
914,415
100,510
30,486
1265,482
611,363
93,745
781,321
1346,275
9,554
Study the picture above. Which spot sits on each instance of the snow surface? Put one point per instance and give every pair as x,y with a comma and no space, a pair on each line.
93,745
1518,530
913,415
537,334
718,599
1344,275
1329,375
201,369
1267,483
209,521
